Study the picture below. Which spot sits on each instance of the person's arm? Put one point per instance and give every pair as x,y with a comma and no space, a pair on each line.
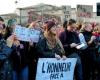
62,50
63,40
83,43
5,53
91,40
61,46
82,39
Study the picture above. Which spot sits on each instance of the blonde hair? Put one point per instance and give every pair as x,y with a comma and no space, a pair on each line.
97,29
31,25
84,25
49,34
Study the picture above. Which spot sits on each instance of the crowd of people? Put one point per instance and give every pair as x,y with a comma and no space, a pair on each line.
18,59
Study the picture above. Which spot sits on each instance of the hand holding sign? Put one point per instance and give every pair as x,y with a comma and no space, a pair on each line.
12,40
16,43
57,57
64,57
31,42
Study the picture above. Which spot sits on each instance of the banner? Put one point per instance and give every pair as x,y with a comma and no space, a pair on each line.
84,11
26,34
53,69
67,12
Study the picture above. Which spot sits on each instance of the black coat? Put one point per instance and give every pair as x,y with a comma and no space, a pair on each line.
68,38
45,52
19,56
87,36
5,63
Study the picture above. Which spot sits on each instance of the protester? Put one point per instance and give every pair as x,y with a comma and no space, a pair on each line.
5,52
96,33
88,55
50,46
70,41
83,44
33,53
18,59
10,27
19,55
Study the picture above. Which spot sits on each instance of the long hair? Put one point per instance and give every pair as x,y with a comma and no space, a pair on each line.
51,38
84,25
8,32
97,29
49,34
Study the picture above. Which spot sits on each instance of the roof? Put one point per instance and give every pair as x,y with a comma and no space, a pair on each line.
9,14
40,6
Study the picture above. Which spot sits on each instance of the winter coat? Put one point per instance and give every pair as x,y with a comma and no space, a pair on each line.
5,63
19,56
68,38
45,52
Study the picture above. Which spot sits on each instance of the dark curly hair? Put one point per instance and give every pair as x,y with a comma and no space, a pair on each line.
65,24
71,21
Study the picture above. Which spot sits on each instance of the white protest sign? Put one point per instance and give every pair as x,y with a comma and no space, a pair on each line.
26,34
22,33
53,69
66,12
34,35
84,11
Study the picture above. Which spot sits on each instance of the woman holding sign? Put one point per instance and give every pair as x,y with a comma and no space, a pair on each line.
5,52
19,55
50,46
33,52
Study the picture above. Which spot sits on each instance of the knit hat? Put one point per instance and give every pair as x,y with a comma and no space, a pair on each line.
50,24
12,22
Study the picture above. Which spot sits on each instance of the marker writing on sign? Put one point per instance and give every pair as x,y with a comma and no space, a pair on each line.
56,67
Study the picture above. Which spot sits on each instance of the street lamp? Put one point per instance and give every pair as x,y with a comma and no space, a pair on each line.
42,14
20,9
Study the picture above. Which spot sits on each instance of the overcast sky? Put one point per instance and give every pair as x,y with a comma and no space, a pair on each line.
8,6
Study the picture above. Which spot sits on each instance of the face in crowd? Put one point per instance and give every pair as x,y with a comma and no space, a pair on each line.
88,27
1,26
49,26
96,29
32,25
71,25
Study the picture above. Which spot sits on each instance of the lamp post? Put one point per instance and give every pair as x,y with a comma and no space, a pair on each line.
42,14
20,11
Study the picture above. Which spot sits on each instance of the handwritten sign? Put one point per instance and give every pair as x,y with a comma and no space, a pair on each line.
26,34
34,35
66,12
53,69
84,11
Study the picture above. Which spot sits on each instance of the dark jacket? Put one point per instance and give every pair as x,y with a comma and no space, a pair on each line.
20,56
87,36
45,52
5,63
68,38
